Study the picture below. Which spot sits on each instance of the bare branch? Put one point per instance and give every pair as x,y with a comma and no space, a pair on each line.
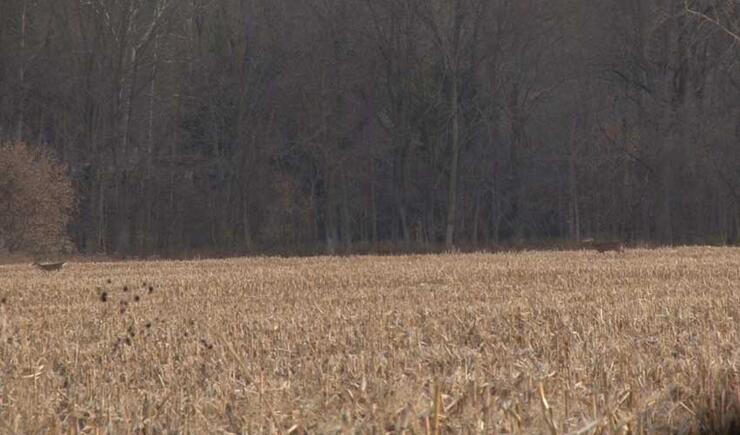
715,21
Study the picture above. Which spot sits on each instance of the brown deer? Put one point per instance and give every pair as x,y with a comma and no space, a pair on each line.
50,266
603,247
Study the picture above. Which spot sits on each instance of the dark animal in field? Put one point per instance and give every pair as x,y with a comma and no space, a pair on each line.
50,266
603,247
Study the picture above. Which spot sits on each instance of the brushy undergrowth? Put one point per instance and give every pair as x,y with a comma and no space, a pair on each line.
534,342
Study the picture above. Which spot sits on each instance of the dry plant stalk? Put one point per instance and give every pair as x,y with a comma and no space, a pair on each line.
535,342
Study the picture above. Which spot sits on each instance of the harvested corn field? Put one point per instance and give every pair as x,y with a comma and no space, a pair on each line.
535,342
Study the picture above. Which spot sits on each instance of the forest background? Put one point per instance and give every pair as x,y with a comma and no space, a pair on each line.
300,126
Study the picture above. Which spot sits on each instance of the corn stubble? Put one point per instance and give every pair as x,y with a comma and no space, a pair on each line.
534,342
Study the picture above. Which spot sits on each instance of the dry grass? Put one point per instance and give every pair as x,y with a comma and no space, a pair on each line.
535,342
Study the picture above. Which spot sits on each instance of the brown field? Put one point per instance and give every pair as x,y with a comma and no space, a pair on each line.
533,342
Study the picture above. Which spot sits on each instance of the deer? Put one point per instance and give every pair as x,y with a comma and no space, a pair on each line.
602,247
50,266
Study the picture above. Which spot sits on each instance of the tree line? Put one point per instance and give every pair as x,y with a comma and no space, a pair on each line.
245,126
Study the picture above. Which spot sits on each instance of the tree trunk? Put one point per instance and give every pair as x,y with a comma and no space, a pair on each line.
455,140
496,215
247,244
575,221
100,236
315,211
147,190
346,217
373,206
734,231
331,230
515,185
399,193
22,77
664,222
476,218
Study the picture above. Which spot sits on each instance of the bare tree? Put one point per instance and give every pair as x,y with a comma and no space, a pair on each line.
239,126
723,14
453,26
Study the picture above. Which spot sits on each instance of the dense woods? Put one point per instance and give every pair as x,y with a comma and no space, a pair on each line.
245,126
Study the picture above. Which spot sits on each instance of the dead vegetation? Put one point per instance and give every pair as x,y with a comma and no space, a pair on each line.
533,342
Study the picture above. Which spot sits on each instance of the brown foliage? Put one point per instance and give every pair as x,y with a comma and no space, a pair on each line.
36,200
